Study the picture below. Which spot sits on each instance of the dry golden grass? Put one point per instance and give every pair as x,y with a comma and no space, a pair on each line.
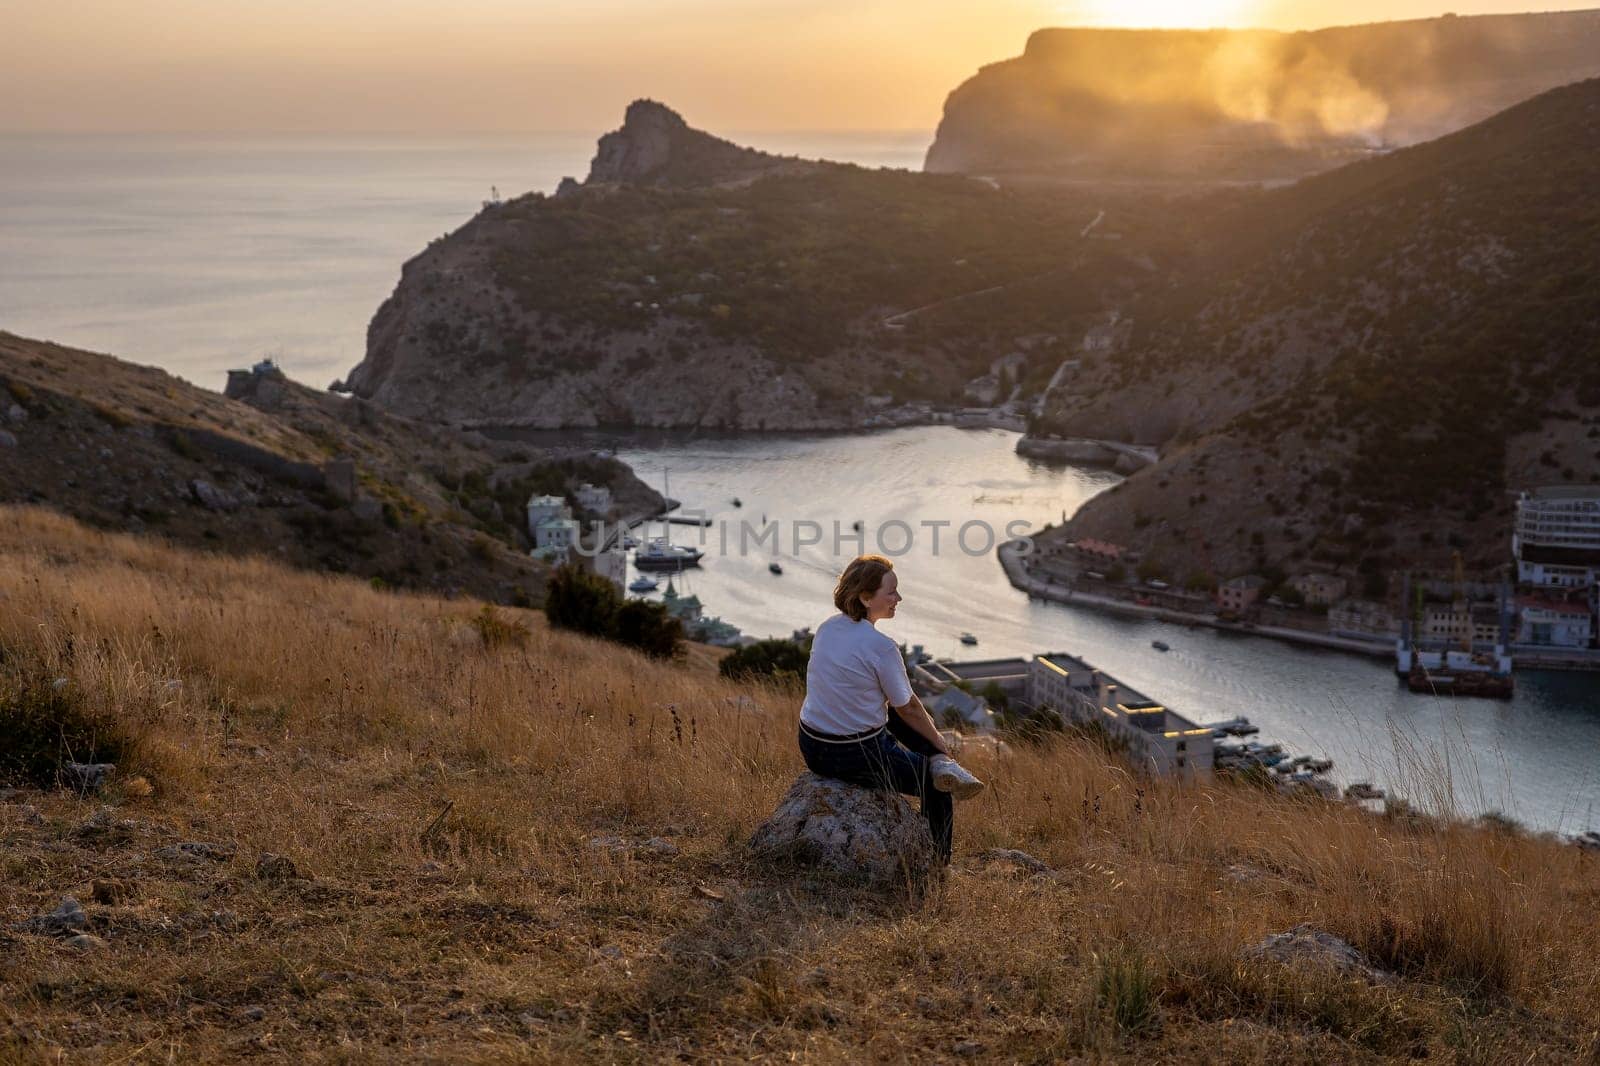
445,799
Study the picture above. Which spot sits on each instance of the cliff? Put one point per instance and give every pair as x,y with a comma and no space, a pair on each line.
693,283
1248,105
1360,371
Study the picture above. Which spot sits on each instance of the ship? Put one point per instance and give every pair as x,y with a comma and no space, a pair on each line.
968,638
659,553
1441,670
775,568
643,583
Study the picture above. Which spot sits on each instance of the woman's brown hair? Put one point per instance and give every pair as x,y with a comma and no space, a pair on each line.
863,575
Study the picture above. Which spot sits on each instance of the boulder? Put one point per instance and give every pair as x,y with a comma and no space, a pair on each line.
86,776
1305,945
7,440
65,920
863,834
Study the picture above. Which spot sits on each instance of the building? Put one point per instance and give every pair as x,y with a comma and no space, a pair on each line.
1099,551
1319,590
595,499
1554,624
546,508
1362,618
611,564
973,712
1239,593
1557,537
1157,738
1009,675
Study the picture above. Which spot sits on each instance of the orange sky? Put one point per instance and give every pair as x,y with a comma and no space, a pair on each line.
485,65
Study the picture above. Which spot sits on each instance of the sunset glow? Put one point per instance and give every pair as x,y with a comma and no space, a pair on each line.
1162,14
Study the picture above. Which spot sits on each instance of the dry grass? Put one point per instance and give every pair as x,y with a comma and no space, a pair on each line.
444,797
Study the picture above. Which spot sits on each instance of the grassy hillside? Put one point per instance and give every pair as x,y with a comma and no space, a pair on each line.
1370,361
474,823
123,447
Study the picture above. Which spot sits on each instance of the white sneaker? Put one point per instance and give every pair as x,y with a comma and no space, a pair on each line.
950,776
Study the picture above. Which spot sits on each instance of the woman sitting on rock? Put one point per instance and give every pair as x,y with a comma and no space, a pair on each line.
855,675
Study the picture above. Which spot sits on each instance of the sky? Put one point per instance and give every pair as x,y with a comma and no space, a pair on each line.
427,66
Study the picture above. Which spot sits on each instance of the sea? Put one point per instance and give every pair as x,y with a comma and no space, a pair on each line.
202,254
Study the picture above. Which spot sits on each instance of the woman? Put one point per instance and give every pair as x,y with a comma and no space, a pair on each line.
855,675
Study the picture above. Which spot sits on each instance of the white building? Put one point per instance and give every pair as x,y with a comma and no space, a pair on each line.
1557,538
1553,624
973,712
545,508
1157,738
596,499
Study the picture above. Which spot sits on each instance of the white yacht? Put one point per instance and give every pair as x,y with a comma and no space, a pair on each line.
659,553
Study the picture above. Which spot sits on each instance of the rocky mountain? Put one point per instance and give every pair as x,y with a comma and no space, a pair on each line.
689,282
282,470
1251,105
1361,370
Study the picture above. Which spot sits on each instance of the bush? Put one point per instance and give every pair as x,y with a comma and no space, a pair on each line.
500,632
780,660
582,601
648,627
46,726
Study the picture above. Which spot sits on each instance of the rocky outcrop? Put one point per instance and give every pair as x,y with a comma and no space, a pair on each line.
655,146
1249,104
862,834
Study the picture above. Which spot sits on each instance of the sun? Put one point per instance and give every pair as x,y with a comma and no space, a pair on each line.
1159,14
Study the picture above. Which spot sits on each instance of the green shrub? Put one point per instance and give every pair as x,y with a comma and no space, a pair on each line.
1125,990
648,627
780,660
45,726
580,600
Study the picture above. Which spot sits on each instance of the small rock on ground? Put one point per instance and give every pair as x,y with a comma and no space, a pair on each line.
87,943
272,867
1015,857
1305,944
66,919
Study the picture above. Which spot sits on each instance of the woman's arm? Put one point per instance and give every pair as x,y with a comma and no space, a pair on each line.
915,715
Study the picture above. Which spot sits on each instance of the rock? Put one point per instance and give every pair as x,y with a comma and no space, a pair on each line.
272,867
864,834
7,439
968,1049
708,893
104,827
1020,860
1305,945
253,1014
66,919
86,943
212,498
86,776
569,187
195,851
16,415
28,814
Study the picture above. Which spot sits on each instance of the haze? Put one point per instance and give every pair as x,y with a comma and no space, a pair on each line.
498,65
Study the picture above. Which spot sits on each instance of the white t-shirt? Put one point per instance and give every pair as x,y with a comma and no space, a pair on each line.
854,669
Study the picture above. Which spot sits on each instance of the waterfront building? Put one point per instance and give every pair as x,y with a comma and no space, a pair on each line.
1157,738
1553,623
1362,618
1557,537
1100,551
1319,590
1236,594
973,712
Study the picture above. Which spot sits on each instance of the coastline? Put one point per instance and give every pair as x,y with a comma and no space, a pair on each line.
1011,563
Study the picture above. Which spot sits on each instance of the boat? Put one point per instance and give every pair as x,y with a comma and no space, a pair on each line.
1363,790
659,553
968,638
643,583
1160,645
738,502
856,525
775,568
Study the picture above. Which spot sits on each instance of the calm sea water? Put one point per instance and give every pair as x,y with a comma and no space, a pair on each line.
1533,757
201,254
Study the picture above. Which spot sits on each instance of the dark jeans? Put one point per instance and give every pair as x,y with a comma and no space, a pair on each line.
897,760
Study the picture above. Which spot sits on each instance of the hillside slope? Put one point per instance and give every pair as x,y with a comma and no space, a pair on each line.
693,283
345,829
1251,105
129,447
1366,364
